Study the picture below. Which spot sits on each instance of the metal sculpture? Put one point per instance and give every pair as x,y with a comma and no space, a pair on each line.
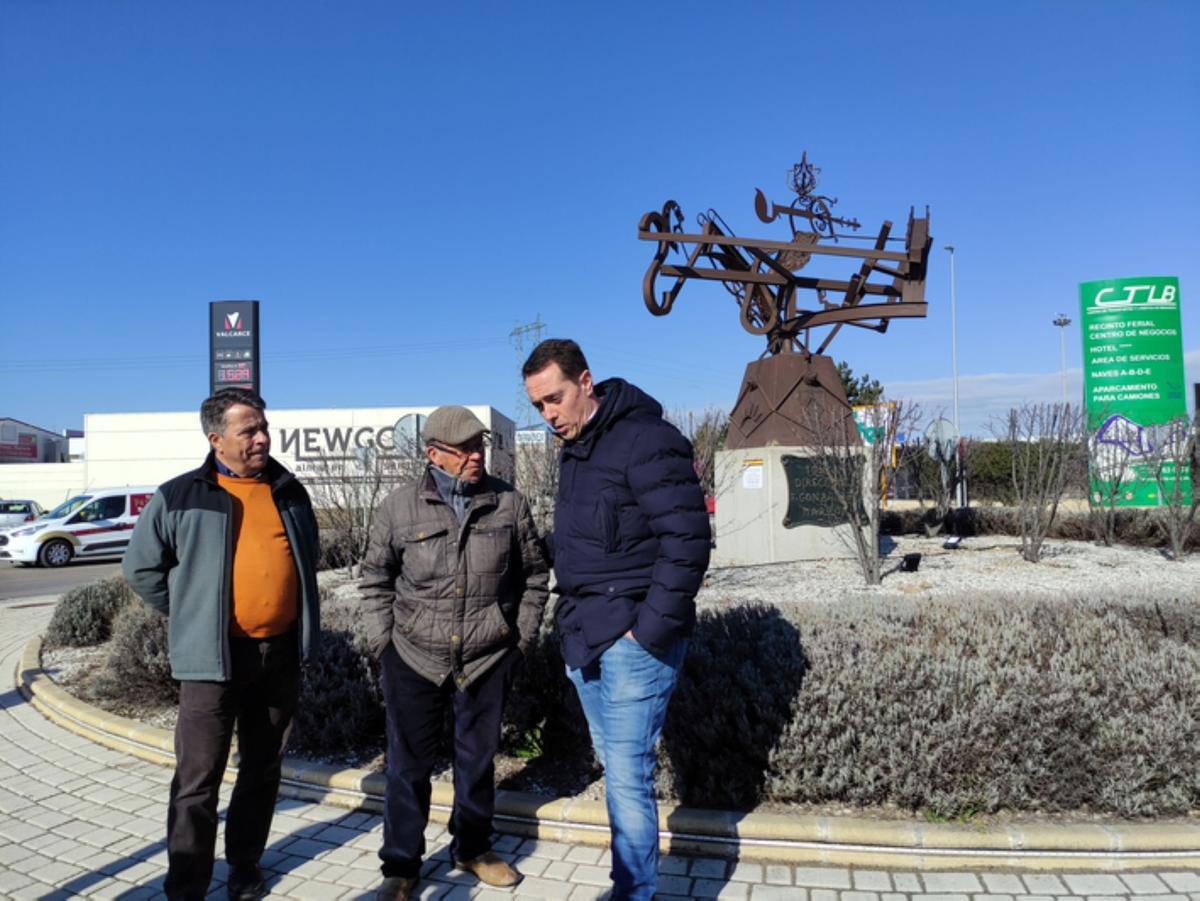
763,276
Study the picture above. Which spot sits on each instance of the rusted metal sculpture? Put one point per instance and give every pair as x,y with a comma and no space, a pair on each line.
774,405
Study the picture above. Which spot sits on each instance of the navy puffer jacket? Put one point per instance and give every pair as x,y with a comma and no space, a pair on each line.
631,536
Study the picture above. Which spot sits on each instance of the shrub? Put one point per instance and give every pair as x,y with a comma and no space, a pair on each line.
543,716
997,703
341,707
955,706
84,615
137,668
340,713
734,700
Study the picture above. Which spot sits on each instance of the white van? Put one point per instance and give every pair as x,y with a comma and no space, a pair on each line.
93,524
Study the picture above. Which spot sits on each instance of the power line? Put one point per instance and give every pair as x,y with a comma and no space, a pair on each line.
517,337
173,361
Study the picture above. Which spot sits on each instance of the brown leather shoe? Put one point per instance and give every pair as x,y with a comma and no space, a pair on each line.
490,869
396,888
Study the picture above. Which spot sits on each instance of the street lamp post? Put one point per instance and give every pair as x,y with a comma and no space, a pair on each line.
1062,322
960,493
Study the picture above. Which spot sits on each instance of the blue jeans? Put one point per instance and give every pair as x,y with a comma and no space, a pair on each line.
624,695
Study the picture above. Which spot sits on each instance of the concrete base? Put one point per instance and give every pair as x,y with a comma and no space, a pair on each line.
752,505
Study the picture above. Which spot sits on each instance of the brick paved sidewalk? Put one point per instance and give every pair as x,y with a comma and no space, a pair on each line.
79,819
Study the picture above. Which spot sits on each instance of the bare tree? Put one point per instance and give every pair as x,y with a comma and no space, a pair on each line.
707,434
1173,465
537,479
932,470
1043,439
347,490
1111,456
857,468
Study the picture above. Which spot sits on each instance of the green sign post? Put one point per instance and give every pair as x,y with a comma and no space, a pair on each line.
1134,388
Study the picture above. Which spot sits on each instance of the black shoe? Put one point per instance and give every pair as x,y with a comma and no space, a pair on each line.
246,883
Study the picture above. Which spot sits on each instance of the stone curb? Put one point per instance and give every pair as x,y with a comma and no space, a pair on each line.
842,841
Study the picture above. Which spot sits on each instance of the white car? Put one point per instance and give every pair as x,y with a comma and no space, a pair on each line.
14,512
93,524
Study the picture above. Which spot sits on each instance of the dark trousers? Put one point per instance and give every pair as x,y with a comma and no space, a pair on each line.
259,700
415,712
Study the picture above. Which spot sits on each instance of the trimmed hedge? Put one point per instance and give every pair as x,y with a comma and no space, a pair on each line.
954,707
137,668
84,615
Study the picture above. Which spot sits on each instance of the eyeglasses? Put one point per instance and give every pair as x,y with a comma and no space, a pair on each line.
478,446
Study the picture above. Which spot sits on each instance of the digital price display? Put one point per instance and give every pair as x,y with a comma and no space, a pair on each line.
233,345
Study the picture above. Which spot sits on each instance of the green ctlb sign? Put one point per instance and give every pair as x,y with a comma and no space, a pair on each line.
1134,389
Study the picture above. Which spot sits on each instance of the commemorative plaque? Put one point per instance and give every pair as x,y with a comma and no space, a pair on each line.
811,499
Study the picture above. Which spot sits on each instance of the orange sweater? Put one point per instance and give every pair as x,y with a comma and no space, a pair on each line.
265,585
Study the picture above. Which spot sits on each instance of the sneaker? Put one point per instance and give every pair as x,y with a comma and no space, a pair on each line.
490,869
396,888
245,883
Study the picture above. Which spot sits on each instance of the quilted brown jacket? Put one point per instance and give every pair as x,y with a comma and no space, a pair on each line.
453,598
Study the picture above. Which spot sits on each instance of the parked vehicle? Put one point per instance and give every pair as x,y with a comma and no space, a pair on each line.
13,512
94,524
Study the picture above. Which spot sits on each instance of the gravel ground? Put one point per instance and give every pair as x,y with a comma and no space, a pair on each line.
986,565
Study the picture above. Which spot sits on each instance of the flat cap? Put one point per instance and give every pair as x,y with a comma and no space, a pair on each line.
452,425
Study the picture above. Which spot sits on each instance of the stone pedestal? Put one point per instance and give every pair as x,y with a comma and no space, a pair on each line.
772,506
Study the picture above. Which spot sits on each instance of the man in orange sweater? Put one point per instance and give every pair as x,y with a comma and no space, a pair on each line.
228,552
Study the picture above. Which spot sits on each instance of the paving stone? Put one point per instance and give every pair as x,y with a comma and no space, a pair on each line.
536,848
871,880
44,840
532,887
1003,883
823,877
1144,883
1094,884
907,883
12,880
361,879
1183,882
1044,884
308,847
588,875
558,869
952,883
746,872
31,864
893,896
989,897
860,896
719,888
822,894
708,868
674,885
57,872
776,893
672,865
777,874
944,897
531,866
583,854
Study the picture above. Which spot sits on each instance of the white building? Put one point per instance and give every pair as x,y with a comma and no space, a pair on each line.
149,448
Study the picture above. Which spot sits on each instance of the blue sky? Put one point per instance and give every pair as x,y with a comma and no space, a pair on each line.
401,185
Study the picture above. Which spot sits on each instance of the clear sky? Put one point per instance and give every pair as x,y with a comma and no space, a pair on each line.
402,184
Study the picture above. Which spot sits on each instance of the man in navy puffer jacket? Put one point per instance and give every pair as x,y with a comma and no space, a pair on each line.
630,546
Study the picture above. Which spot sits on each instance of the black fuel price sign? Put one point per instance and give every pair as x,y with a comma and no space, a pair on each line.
233,345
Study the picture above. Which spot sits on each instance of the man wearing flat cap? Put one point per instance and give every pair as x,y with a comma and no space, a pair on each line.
453,587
